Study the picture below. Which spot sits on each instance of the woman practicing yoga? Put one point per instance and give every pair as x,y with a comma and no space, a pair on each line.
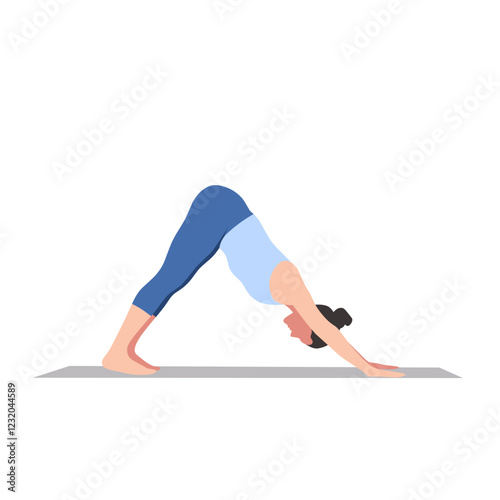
219,218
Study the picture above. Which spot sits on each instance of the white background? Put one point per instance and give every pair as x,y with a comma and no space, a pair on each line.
323,176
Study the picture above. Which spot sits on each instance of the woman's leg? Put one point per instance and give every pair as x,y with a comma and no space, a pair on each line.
214,212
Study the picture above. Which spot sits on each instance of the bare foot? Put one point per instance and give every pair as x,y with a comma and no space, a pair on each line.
139,360
121,362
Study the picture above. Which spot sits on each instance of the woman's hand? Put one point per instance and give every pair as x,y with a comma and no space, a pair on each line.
383,367
371,371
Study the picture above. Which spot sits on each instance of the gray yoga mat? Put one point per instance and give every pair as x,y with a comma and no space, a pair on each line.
240,372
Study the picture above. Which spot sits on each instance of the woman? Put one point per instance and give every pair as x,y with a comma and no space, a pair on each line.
219,218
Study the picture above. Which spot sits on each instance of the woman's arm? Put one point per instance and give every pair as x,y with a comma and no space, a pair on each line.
334,338
288,288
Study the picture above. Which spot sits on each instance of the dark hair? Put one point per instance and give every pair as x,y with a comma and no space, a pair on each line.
339,318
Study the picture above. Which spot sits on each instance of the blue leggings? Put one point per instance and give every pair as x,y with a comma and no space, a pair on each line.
214,212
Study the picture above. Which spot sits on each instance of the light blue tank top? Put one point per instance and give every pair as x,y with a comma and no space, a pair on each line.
252,257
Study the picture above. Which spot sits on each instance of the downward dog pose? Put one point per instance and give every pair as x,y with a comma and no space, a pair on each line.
219,218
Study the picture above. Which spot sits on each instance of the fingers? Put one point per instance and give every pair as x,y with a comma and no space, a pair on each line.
384,367
386,374
394,374
375,372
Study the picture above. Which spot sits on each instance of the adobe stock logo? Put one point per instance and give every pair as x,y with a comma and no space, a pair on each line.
463,450
248,149
248,324
453,118
131,440
121,109
223,7
419,322
266,476
85,312
31,27
364,35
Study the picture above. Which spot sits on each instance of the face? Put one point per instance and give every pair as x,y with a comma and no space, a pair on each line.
299,328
